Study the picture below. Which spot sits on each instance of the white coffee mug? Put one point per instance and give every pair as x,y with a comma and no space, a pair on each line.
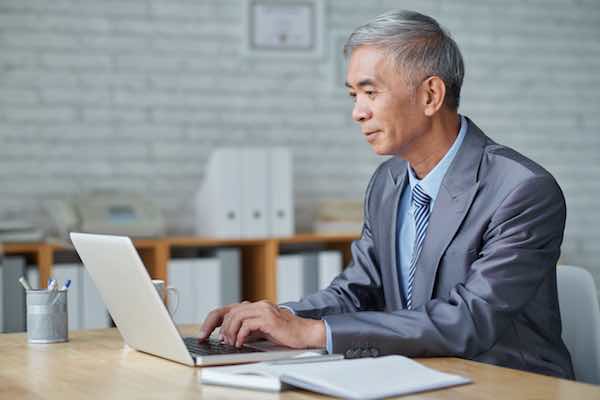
159,285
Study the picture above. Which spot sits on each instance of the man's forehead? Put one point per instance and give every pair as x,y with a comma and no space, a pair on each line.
369,65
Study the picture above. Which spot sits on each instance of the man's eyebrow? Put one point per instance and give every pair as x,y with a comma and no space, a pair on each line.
364,82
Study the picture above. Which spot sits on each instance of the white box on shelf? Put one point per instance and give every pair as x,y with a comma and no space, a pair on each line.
12,295
94,314
281,200
254,175
204,283
330,266
296,276
218,201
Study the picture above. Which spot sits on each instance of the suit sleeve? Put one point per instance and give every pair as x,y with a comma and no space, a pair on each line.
521,245
358,287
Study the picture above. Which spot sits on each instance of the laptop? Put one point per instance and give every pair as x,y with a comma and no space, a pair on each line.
141,316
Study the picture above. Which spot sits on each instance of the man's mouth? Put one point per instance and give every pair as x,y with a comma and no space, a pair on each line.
371,135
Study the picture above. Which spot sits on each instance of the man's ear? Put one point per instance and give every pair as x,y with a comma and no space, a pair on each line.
434,93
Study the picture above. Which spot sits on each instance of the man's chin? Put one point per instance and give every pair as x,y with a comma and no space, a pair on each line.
382,151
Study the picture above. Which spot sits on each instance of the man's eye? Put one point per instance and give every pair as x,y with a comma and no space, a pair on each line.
353,95
370,93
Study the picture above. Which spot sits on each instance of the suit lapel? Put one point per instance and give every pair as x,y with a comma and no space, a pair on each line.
457,192
396,181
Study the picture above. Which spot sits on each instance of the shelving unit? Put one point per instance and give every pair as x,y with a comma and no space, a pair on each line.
258,256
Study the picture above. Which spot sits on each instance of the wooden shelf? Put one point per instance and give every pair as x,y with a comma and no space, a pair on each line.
258,256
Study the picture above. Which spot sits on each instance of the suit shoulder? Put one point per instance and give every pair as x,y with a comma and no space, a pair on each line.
503,159
508,169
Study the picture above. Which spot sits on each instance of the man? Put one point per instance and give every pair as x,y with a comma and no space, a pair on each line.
461,235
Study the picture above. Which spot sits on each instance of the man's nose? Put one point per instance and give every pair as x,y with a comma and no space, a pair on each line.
360,113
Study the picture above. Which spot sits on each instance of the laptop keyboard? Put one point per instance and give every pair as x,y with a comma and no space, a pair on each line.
213,347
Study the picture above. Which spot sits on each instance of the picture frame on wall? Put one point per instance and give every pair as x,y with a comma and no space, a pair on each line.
283,28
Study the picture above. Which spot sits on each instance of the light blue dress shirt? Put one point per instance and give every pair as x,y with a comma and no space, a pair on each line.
405,224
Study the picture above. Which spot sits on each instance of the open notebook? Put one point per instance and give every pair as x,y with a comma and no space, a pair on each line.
365,378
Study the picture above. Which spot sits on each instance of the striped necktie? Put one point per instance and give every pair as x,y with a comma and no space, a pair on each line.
420,201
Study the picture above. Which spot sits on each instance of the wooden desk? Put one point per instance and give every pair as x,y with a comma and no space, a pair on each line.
97,365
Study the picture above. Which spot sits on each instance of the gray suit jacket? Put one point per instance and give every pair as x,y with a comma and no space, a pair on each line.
485,285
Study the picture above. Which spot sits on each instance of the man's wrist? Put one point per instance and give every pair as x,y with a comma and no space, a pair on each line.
316,337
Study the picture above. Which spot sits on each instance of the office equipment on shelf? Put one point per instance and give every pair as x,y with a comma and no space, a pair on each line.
339,217
12,295
14,230
109,212
246,192
281,197
143,319
255,191
205,283
218,200
297,276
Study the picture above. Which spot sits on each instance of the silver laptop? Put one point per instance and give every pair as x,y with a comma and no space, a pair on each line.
140,314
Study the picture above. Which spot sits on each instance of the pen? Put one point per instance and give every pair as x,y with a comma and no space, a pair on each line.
51,284
311,359
24,283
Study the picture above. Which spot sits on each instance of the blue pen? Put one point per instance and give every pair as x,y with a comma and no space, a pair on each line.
66,285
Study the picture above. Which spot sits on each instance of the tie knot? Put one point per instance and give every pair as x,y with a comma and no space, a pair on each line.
419,197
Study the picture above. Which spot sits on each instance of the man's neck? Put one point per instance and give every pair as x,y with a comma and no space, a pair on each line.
435,144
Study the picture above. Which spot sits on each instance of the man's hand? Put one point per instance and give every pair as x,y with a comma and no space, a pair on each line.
240,321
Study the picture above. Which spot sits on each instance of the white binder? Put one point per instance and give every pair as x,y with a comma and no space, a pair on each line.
330,266
296,276
218,282
63,272
231,276
218,201
281,205
94,313
181,276
255,189
204,284
12,295
33,276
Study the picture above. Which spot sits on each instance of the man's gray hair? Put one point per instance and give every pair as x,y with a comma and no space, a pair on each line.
418,44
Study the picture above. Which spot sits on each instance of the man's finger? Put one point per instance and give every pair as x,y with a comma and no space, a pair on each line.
247,327
235,320
213,319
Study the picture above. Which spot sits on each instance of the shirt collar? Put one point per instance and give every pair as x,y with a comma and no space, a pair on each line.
432,181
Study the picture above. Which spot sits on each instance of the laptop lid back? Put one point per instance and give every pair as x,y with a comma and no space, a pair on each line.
130,296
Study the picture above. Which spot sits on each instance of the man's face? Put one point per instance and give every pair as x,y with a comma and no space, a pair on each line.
386,107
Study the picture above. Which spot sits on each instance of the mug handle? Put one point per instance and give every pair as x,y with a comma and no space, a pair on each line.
176,292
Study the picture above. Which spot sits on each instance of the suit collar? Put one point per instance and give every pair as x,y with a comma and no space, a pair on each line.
457,192
464,169
462,172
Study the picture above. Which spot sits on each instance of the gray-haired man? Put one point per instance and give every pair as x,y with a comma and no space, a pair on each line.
461,235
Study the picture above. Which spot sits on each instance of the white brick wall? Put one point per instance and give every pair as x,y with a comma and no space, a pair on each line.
133,94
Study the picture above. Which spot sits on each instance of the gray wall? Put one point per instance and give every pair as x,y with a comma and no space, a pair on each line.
134,94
